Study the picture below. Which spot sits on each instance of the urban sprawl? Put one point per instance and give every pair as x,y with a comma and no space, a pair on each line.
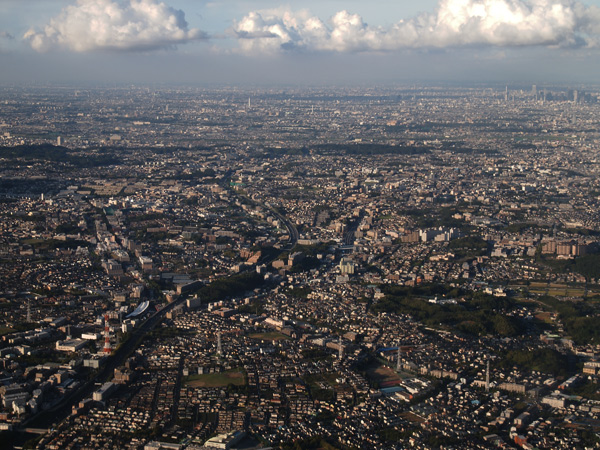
369,268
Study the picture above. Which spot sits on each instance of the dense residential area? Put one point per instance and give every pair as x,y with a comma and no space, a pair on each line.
373,268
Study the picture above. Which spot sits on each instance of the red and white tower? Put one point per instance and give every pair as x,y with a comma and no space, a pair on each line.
107,348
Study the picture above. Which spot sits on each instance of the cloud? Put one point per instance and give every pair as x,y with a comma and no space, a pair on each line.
123,25
6,35
455,23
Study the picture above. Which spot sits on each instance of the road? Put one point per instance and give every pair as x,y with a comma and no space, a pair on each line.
352,227
292,231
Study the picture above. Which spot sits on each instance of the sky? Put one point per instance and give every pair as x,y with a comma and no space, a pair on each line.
325,42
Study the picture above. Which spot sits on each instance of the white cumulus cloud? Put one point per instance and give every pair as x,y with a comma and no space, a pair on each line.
502,23
114,25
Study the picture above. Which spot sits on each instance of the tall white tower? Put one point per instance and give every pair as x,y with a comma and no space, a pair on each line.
107,348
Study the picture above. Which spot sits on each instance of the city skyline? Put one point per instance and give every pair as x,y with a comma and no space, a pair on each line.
322,43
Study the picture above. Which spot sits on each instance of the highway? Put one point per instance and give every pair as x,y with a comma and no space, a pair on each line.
292,231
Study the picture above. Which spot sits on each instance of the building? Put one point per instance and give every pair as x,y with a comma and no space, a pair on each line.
146,263
113,268
71,345
225,441
347,266
104,392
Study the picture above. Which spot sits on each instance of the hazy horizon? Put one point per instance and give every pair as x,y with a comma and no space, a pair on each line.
334,42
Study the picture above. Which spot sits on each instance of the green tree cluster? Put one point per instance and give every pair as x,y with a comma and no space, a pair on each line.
580,319
230,287
482,315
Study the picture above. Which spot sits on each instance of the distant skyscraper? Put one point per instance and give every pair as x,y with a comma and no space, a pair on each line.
506,94
59,141
534,90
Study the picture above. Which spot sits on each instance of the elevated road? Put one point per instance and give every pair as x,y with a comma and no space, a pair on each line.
292,231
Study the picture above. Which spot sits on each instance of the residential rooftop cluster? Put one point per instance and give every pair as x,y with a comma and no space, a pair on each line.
352,268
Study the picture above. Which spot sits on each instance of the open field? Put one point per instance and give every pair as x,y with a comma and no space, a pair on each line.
33,241
575,292
537,291
384,376
322,380
412,417
269,336
5,330
557,292
223,379
544,317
